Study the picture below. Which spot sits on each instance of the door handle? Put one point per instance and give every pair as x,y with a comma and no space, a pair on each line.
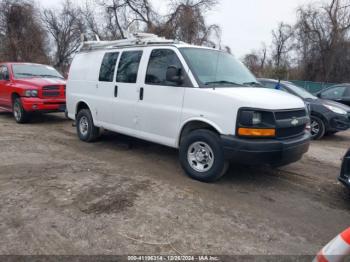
141,93
116,91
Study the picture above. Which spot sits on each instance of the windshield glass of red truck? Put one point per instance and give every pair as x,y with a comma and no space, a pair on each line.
34,71
214,68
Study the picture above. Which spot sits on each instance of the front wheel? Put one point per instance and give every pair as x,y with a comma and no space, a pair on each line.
202,156
20,115
86,129
318,128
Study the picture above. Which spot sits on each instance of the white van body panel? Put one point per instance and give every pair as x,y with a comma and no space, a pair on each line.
220,105
165,110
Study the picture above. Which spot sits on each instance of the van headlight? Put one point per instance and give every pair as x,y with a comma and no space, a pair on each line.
255,123
256,118
31,93
337,110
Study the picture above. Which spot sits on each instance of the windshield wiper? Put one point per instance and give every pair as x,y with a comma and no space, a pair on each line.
51,76
253,84
222,82
27,74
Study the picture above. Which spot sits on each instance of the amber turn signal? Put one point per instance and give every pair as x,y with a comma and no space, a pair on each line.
256,132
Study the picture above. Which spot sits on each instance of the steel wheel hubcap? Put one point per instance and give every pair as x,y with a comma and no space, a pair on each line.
17,111
315,128
200,156
84,125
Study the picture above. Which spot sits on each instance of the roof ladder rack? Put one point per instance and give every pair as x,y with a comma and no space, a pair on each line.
136,40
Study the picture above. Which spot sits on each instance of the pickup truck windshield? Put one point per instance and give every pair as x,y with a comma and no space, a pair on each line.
214,68
31,71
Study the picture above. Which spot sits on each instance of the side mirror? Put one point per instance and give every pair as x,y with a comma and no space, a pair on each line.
6,76
174,75
319,95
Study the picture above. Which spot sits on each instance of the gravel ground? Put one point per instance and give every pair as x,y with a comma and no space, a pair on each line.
124,196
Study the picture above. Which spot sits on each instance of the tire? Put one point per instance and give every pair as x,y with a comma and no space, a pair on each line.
318,128
20,115
86,129
202,156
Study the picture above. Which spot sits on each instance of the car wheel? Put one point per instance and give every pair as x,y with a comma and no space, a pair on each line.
86,129
318,128
202,156
20,115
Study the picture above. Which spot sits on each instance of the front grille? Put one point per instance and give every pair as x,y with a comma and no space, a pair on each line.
290,131
51,91
290,114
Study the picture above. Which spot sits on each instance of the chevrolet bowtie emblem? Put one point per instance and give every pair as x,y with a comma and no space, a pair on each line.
295,122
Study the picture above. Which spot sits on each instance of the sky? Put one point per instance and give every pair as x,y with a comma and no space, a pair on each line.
246,24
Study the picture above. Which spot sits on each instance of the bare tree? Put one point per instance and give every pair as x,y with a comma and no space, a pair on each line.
323,41
281,44
65,27
21,34
93,23
257,61
185,21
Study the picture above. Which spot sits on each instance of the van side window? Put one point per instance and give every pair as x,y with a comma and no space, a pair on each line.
129,66
159,62
107,67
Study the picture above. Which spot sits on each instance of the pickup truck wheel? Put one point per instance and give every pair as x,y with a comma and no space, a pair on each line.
318,128
86,129
20,115
202,156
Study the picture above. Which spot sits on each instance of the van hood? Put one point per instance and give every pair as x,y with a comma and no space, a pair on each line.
262,98
40,82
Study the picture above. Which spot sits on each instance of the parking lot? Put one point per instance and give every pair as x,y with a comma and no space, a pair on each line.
124,196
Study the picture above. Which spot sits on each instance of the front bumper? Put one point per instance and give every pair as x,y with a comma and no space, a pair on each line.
265,151
345,171
33,104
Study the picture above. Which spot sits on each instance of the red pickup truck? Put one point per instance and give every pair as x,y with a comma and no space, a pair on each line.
27,88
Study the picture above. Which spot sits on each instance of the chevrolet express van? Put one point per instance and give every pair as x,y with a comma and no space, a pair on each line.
200,100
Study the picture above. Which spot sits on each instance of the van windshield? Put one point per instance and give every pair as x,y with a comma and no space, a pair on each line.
214,68
32,71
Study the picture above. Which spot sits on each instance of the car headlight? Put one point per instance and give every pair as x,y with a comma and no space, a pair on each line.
31,93
337,110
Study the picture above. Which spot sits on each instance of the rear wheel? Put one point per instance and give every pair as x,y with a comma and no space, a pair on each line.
202,156
20,115
318,128
86,129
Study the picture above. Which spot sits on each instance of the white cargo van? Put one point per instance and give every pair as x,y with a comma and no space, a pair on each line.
200,100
